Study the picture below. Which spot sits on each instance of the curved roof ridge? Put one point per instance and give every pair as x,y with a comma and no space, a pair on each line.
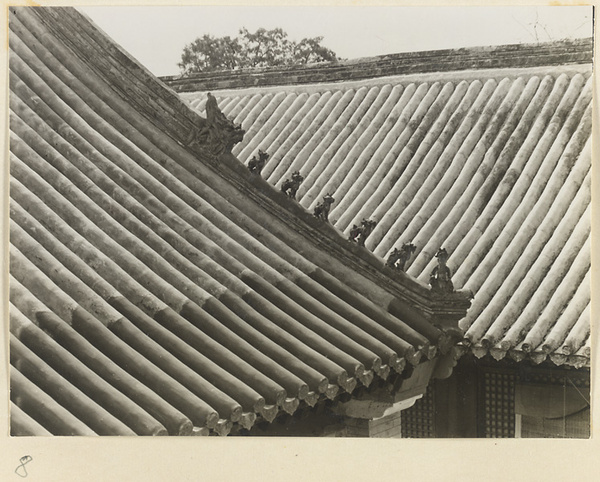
562,52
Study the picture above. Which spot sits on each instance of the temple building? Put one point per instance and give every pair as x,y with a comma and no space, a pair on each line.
374,248
485,152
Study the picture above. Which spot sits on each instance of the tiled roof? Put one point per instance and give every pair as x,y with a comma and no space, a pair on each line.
493,165
157,289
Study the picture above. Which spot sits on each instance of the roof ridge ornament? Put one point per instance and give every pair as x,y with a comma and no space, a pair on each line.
255,165
399,257
439,279
290,186
218,133
359,234
321,210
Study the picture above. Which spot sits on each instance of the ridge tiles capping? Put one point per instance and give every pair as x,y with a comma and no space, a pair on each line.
509,57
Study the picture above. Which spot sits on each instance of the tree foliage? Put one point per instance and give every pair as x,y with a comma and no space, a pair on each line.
263,48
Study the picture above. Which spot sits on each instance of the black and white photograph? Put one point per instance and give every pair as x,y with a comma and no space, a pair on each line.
300,221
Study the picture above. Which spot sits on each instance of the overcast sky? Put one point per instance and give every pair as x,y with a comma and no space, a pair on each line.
156,36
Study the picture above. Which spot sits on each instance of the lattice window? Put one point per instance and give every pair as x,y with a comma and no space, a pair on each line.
499,409
418,421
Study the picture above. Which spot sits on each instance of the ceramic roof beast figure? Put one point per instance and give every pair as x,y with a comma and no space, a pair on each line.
290,186
399,257
321,210
255,165
440,276
359,234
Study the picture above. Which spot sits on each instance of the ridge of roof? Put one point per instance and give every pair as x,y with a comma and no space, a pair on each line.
562,52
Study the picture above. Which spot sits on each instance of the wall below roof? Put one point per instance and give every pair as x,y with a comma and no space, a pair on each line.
485,398
565,52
